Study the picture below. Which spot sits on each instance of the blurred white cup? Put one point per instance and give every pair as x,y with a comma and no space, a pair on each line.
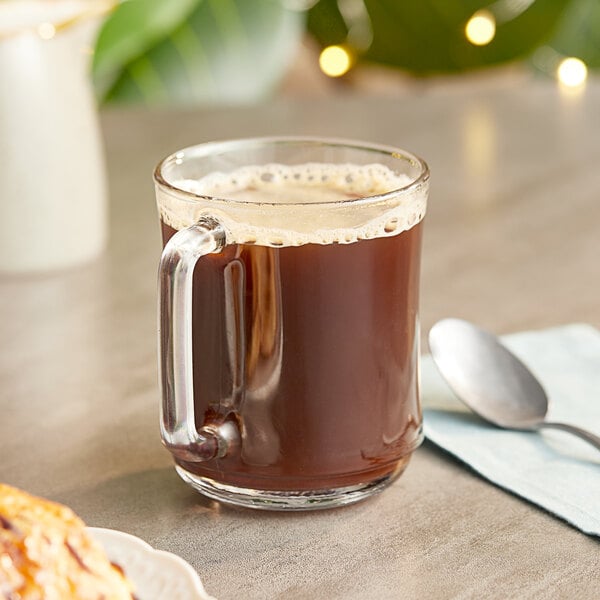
53,209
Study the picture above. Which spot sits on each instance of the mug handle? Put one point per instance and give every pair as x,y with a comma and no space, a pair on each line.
175,276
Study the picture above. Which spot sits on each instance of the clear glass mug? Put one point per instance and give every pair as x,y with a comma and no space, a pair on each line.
288,318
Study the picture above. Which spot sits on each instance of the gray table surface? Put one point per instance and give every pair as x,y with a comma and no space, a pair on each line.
512,242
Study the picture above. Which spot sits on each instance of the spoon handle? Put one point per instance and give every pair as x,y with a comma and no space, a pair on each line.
587,436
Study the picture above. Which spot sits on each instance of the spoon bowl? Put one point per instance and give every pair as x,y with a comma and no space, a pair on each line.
491,380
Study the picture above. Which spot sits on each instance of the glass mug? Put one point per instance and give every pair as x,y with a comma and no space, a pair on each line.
288,318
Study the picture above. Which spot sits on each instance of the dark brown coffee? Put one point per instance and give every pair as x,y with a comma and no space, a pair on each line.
312,350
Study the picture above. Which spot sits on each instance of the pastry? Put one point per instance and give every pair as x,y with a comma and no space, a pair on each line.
47,554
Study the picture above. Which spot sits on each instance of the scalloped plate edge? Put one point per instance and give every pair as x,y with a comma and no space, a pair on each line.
112,539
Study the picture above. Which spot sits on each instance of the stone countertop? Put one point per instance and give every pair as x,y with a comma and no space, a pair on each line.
511,243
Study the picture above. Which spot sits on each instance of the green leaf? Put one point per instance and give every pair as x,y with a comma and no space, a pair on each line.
220,51
130,31
428,36
578,34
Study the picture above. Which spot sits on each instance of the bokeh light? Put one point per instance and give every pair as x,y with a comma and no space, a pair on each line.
335,61
481,28
46,31
571,72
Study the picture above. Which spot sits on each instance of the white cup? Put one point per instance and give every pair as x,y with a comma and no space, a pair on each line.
52,181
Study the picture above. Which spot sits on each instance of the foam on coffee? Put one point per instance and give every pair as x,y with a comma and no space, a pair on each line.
282,205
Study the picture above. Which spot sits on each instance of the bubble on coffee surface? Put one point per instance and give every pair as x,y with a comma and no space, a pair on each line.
281,205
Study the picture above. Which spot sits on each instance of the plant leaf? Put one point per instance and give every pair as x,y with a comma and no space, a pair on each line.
578,34
130,31
222,51
427,36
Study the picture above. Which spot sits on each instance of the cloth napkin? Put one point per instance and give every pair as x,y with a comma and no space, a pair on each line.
554,470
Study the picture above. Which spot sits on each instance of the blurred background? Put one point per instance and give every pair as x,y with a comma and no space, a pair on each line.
188,54
202,52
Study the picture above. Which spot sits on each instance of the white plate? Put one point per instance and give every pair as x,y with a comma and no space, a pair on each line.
156,575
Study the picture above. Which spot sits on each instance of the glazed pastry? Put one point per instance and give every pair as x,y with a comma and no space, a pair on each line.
46,554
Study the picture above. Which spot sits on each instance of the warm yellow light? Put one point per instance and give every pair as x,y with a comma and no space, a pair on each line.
46,31
481,28
335,61
571,72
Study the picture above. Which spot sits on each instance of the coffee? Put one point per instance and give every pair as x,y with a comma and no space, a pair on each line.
307,335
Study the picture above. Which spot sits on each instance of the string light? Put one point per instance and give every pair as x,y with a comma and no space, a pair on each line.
571,72
46,31
335,61
481,28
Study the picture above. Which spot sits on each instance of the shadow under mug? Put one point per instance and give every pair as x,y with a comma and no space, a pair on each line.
288,318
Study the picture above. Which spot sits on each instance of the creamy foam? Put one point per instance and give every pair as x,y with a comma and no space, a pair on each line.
282,205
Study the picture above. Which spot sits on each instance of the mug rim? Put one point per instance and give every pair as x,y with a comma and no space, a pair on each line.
89,9
208,148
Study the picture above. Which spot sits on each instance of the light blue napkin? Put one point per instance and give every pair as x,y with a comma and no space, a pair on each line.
555,470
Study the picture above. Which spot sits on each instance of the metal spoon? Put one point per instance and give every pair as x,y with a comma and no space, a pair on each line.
491,380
